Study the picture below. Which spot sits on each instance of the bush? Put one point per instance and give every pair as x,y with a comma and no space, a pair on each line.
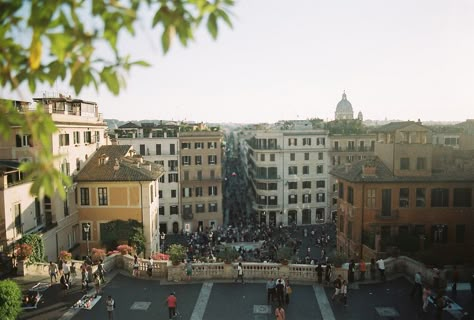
65,255
284,254
23,251
97,254
227,254
137,239
177,253
125,249
37,245
10,300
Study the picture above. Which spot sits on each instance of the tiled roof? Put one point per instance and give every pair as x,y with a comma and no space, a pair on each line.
129,125
393,126
128,168
354,173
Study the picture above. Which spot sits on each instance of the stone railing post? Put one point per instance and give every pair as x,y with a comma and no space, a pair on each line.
284,271
175,273
229,272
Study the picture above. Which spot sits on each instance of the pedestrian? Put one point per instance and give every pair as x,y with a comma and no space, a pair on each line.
172,303
270,290
280,291
351,271
280,313
96,284
240,273
425,296
66,271
53,271
337,287
455,282
110,305
135,271
362,269
73,271
344,292
381,267
289,291
189,270
319,272
149,267
328,274
101,270
417,289
63,282
372,269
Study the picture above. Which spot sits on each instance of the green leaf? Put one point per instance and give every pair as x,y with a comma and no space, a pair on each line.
111,80
221,13
141,63
166,40
212,25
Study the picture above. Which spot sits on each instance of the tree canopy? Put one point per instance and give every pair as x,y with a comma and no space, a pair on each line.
48,40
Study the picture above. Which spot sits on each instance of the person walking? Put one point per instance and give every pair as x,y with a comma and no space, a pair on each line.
289,291
240,273
328,273
344,292
319,272
270,290
101,270
362,269
110,306
135,271
280,292
280,313
425,296
351,271
417,289
73,271
337,287
149,267
66,271
189,270
53,271
97,284
372,269
381,267
172,303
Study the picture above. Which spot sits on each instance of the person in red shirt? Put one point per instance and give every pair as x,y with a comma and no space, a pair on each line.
172,303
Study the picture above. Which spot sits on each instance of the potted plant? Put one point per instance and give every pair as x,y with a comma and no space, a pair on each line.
338,259
125,249
177,253
23,251
285,254
227,254
65,255
97,255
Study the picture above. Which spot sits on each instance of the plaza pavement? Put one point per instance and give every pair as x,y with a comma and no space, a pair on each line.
142,299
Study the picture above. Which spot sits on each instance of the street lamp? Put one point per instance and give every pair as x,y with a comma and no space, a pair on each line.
162,238
87,229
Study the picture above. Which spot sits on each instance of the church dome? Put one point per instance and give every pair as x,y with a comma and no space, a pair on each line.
344,109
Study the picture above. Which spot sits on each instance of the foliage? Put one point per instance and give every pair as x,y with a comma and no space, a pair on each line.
37,245
97,254
227,254
65,255
284,254
346,127
125,249
117,231
46,41
23,251
137,239
10,299
177,253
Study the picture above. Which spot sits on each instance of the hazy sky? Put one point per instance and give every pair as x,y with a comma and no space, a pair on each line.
397,59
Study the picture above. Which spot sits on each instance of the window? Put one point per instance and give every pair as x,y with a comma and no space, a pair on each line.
172,177
199,145
451,141
321,184
187,209
198,160
292,185
212,191
261,186
305,169
87,137
420,197
174,209
160,194
460,233
306,141
186,145
262,157
84,196
306,198
212,207
272,186
142,150
404,198
272,200
162,179
262,200
187,192
292,141
17,213
212,159
320,197
186,175
198,191
439,197
86,235
462,197
306,184
97,136
320,213
199,208
439,233
349,229
65,168
386,202
172,149
420,163
320,156
306,216
350,195
102,193
173,193
24,141
292,198
64,139
371,198
292,157
76,137
212,145
186,160
173,165
158,149
320,169
404,163
161,210
272,157
321,141
293,170
341,190
199,175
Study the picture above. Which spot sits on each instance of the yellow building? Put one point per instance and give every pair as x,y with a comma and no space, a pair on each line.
117,184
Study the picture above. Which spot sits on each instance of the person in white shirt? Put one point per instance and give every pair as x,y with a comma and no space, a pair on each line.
110,305
149,268
381,267
66,271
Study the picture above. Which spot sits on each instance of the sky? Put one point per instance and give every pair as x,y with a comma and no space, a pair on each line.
395,59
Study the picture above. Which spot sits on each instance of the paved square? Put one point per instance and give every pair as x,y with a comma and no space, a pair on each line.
140,305
387,312
261,309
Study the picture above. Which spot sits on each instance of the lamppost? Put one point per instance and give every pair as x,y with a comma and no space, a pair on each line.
87,229
162,238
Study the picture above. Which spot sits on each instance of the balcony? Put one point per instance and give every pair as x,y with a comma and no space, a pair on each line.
352,149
